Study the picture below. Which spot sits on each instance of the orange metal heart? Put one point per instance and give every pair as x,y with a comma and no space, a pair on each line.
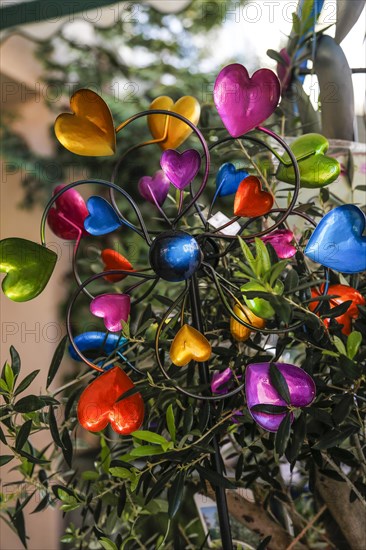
90,130
114,260
97,404
344,293
240,332
250,201
189,345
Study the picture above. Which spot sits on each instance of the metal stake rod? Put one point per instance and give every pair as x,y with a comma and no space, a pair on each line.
221,502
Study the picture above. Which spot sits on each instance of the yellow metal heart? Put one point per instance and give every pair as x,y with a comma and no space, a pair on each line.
90,130
189,345
240,332
177,131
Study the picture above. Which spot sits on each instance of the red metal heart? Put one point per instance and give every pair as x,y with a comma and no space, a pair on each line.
250,201
114,260
66,218
344,293
97,404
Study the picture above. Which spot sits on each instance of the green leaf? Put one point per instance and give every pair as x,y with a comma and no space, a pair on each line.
23,385
2,436
296,23
4,459
18,522
28,404
118,471
334,437
53,427
175,494
283,435
15,361
107,544
337,311
146,450
263,258
170,422
150,437
343,408
252,262
23,434
291,281
339,345
276,56
279,382
276,271
9,377
269,409
56,360
215,478
354,341
67,449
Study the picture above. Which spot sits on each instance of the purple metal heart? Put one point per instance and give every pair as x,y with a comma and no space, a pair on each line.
220,381
180,168
113,308
158,185
259,390
66,218
243,102
281,240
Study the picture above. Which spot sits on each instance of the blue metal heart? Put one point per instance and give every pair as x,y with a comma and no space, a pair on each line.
98,342
337,241
228,179
102,218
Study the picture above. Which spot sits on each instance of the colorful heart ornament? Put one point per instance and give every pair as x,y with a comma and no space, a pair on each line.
189,345
337,241
66,218
316,169
176,130
343,294
250,201
157,186
180,168
89,131
28,267
102,218
100,342
113,309
98,404
260,391
228,179
114,260
281,240
244,102
239,332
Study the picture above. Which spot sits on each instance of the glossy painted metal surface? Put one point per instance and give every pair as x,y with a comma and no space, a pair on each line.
175,256
102,218
228,179
157,186
281,240
342,293
260,391
244,102
89,131
28,267
96,341
98,404
176,130
114,260
250,201
316,169
66,218
239,332
180,168
337,241
189,345
113,309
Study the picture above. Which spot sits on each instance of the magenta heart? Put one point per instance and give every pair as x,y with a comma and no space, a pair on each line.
180,168
157,186
66,218
243,102
113,308
281,240
260,391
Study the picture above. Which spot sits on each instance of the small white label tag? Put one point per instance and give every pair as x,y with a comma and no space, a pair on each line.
219,219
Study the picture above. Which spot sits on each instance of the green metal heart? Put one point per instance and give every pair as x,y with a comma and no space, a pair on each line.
316,169
28,266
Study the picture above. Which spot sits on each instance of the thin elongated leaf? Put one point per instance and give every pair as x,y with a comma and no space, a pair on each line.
23,385
283,435
338,310
67,449
354,341
4,459
215,478
263,545
15,361
42,505
2,436
279,382
19,524
269,409
28,404
334,437
342,410
262,256
53,427
146,450
150,437
159,485
23,434
339,345
56,360
170,422
33,459
291,281
175,494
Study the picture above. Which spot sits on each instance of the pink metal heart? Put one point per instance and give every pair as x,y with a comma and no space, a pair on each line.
260,391
281,240
113,308
158,185
180,168
66,219
243,102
